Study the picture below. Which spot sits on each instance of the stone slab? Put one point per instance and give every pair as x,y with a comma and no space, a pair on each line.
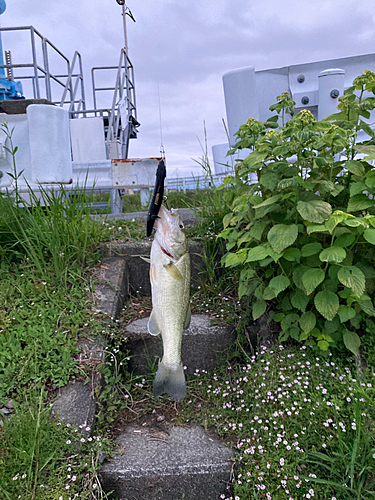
19,106
76,401
111,284
159,465
201,344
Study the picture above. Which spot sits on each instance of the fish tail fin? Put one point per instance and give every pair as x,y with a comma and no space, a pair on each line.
170,380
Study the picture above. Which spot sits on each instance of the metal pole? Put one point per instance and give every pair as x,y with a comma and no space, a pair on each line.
35,64
125,33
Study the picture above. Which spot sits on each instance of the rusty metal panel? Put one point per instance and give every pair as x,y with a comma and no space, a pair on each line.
134,172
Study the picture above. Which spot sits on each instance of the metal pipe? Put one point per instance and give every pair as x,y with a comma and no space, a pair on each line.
33,50
46,67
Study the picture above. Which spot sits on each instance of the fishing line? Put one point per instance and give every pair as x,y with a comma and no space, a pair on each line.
162,150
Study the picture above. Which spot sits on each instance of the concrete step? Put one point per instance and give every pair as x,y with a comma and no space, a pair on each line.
123,272
202,343
168,464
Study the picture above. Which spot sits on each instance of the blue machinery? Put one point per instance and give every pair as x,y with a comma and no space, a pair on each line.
9,89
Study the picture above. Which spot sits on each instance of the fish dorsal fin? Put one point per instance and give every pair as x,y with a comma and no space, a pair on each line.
173,271
188,318
152,325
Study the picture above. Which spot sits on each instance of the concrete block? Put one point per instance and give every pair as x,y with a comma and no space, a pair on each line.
180,463
111,285
49,138
76,405
201,344
76,402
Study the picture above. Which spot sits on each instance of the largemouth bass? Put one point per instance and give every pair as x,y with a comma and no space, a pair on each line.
170,289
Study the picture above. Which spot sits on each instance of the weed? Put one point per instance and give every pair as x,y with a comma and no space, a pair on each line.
42,459
304,425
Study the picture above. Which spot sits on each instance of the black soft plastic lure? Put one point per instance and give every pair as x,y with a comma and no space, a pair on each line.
157,197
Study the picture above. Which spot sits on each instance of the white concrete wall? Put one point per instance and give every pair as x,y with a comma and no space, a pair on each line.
42,138
249,93
88,141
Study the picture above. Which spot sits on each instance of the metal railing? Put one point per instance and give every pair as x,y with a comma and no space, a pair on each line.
122,118
44,83
193,182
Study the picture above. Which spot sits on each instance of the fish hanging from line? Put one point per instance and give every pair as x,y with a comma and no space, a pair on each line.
170,289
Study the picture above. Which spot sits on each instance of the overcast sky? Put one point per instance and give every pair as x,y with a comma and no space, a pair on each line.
185,46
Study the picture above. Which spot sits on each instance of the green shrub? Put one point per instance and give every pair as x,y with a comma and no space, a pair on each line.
303,234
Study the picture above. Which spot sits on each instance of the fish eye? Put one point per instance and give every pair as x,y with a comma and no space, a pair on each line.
182,226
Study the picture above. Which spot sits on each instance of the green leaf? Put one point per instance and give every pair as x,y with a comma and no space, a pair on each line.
279,283
314,211
300,301
367,307
310,249
268,180
232,259
316,228
278,317
292,254
227,219
256,253
368,271
244,238
344,240
327,303
366,128
323,345
297,276
370,180
356,221
334,220
331,327
307,321
366,149
259,308
353,278
359,202
254,158
287,183
333,254
369,235
282,236
355,167
243,289
312,278
257,230
269,293
269,201
357,187
294,332
346,313
352,341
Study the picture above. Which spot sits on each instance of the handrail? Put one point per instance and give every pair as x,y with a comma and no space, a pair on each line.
41,75
68,85
120,125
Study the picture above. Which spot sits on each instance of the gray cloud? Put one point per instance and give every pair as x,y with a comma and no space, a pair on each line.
185,46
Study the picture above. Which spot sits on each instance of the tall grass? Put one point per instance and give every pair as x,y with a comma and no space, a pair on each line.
53,230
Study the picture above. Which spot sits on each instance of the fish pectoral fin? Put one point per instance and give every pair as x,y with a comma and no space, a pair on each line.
145,259
173,271
152,325
188,318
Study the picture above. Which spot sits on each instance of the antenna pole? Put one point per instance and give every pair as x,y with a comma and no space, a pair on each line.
125,33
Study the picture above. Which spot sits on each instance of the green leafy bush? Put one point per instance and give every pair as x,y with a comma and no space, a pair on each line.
303,234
